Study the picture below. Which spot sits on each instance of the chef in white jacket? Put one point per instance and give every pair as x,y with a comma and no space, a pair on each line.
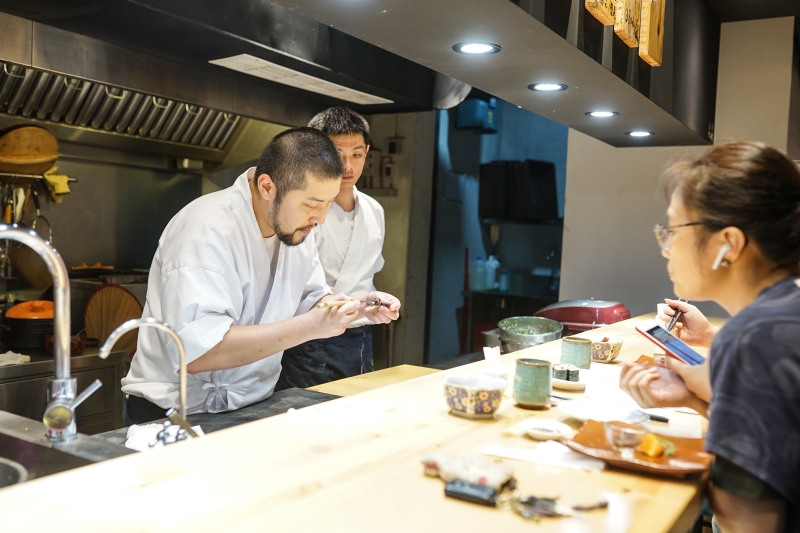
350,245
237,275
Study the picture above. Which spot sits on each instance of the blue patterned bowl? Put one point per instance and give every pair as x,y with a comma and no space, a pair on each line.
473,396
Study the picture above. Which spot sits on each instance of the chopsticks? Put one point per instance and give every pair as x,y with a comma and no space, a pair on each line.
339,303
677,316
654,418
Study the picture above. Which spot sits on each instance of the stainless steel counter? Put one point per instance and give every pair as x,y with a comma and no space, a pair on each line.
23,388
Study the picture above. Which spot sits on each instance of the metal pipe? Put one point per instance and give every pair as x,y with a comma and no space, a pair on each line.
19,94
76,104
61,324
88,109
105,350
129,111
189,133
113,117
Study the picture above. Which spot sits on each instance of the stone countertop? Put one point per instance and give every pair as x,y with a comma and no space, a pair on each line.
278,403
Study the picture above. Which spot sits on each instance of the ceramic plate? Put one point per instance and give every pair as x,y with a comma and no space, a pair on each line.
603,411
689,455
563,384
544,429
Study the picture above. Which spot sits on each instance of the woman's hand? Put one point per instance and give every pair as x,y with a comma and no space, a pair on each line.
652,386
696,377
693,327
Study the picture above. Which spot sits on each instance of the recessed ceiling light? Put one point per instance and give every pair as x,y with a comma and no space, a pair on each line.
602,114
476,48
640,133
547,87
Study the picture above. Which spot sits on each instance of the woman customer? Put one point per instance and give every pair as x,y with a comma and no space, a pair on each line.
734,237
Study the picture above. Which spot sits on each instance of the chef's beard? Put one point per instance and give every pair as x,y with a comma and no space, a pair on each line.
287,237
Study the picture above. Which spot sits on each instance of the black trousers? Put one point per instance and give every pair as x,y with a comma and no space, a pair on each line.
141,411
323,360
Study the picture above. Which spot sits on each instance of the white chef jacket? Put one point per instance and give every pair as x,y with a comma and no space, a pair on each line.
207,275
352,257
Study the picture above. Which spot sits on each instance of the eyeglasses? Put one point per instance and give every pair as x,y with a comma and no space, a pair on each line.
664,233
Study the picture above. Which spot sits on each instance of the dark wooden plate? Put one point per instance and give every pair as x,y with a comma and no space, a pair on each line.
689,457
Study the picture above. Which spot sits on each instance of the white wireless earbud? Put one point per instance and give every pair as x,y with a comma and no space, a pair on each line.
724,249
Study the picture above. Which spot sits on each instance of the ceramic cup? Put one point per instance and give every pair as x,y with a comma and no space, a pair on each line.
576,351
533,382
605,349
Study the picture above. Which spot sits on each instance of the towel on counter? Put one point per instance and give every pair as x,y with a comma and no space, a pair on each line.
58,184
11,358
140,437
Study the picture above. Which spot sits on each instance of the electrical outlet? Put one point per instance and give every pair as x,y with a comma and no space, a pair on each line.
395,145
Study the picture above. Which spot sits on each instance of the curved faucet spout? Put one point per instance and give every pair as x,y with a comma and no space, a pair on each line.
61,315
140,322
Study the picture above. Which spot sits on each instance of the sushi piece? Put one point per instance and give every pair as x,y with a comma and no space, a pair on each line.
573,373
560,372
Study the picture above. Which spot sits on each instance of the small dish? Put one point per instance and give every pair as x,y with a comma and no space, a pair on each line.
545,429
689,456
603,411
605,349
476,396
563,384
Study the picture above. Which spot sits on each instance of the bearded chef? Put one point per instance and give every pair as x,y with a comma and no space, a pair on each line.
237,274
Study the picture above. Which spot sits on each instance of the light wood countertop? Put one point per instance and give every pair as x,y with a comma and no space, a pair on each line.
352,464
373,380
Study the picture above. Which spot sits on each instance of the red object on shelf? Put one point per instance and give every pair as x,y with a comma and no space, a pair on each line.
582,315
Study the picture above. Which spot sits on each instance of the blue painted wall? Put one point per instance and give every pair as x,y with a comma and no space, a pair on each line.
521,135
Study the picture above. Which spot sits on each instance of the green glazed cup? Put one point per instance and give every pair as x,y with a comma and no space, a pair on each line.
533,383
576,351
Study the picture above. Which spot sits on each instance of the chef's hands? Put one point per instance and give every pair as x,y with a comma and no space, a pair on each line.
653,386
332,321
693,327
383,314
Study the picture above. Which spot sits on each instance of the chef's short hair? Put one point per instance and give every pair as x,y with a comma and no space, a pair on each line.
340,121
294,154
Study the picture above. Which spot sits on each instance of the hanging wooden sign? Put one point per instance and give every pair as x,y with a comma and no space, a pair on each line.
626,25
651,34
603,10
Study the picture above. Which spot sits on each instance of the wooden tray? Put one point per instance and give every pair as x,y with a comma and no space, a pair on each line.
689,457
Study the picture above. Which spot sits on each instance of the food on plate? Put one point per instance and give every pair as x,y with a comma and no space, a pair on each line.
654,446
566,372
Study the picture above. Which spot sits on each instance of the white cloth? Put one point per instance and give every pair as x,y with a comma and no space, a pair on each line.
352,257
13,358
212,270
139,437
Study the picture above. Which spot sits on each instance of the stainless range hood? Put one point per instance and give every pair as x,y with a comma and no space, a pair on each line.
64,101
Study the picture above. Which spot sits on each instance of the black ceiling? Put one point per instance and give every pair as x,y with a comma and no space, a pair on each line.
735,10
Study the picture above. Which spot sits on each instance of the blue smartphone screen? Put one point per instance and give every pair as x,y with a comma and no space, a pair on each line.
676,346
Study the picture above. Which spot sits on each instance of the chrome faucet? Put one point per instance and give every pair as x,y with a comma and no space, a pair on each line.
179,419
59,415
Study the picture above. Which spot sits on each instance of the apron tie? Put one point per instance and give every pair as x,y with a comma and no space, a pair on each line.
217,399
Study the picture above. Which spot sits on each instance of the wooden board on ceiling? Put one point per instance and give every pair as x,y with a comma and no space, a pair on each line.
651,34
603,10
626,25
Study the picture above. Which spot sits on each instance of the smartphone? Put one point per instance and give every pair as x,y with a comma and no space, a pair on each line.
671,344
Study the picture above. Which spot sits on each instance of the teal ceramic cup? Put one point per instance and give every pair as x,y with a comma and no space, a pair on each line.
532,383
576,351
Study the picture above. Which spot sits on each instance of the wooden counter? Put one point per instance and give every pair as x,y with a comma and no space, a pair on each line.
351,464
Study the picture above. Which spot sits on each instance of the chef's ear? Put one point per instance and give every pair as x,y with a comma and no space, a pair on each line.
266,187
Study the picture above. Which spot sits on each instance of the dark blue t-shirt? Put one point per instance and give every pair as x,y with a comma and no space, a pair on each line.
754,420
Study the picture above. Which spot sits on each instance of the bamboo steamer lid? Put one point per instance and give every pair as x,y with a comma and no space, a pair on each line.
28,150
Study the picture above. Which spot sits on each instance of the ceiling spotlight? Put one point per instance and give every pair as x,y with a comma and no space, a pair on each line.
547,87
602,114
476,48
640,133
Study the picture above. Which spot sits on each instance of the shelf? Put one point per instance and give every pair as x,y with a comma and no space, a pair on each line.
379,192
539,222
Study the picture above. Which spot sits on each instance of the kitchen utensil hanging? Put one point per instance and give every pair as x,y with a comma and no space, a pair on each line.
109,307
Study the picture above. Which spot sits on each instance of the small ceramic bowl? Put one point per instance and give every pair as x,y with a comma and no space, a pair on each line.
605,349
477,396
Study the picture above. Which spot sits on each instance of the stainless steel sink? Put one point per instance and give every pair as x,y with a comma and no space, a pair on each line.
23,441
11,473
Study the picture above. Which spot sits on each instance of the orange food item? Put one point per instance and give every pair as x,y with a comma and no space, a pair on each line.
651,446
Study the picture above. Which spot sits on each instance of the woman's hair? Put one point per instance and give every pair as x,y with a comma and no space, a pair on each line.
747,185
